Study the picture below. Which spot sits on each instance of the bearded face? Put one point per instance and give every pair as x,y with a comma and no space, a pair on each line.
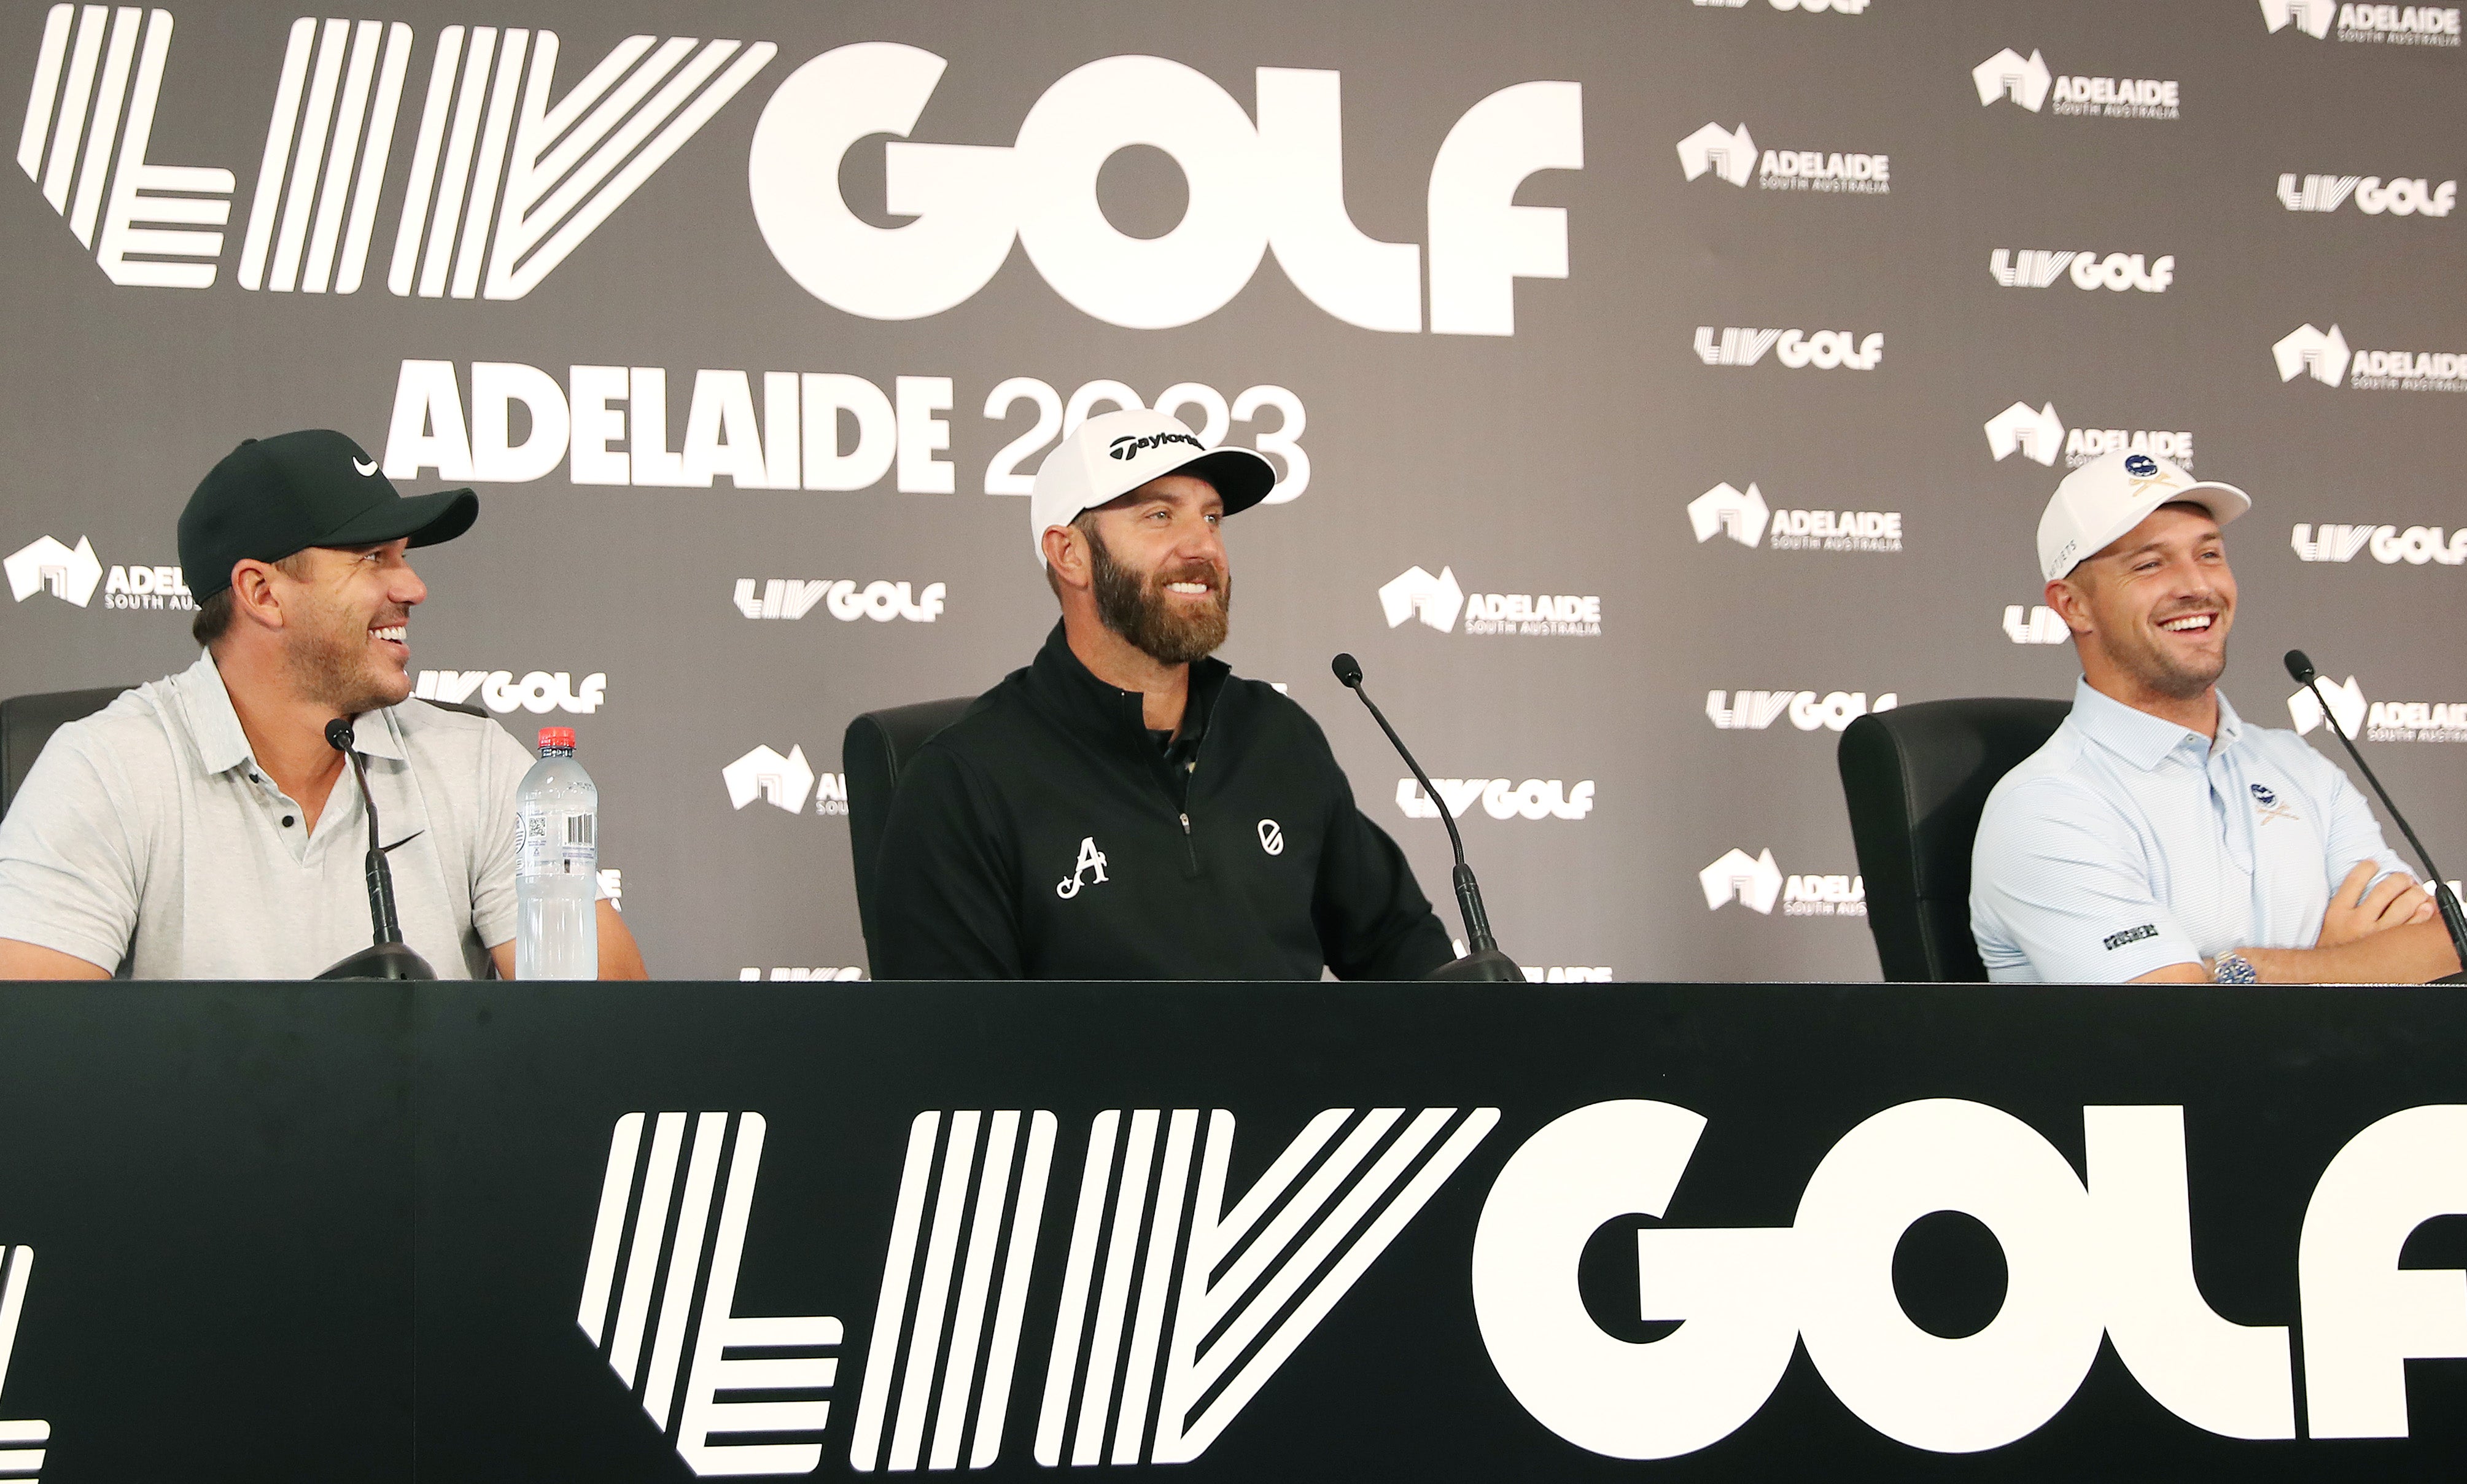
2161,602
1174,613
346,648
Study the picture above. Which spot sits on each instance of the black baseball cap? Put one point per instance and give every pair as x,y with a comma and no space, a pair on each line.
272,497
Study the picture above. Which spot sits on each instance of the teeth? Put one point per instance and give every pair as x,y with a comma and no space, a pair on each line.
1185,587
398,633
2191,623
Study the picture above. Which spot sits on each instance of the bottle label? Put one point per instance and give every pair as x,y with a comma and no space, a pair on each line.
556,843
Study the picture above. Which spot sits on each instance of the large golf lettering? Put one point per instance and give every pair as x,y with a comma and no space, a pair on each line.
2110,1256
1278,183
2365,1316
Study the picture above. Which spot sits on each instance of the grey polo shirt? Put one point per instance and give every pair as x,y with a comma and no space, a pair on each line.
2128,843
147,837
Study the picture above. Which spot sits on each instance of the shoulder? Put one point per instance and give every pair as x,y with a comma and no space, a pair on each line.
2058,785
2281,748
437,728
2057,774
988,730
457,750
139,733
1272,711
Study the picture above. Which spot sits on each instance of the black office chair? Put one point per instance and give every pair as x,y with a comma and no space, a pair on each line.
28,722
1916,779
874,753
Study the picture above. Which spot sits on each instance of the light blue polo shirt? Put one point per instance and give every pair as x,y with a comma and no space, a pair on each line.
2128,843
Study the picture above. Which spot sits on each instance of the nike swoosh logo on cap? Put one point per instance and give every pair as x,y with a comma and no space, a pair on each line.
363,468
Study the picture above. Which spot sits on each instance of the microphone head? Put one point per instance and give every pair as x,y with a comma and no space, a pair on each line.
2300,667
1348,671
338,734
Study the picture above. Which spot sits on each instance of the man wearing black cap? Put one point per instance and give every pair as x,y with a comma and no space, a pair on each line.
192,829
1124,807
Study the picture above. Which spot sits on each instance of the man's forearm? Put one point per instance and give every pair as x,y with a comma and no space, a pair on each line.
30,961
2411,955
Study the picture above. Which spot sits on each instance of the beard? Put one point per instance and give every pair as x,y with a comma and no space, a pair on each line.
1136,607
330,664
2164,674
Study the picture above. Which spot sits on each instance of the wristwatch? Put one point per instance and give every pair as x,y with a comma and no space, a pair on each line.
2232,968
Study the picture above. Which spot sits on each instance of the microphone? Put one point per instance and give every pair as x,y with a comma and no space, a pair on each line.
1482,961
2301,668
389,957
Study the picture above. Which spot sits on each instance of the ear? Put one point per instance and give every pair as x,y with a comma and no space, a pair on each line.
2070,603
1066,555
256,596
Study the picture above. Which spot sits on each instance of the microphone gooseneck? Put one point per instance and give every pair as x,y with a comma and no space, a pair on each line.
1483,959
2300,668
1348,671
388,956
387,928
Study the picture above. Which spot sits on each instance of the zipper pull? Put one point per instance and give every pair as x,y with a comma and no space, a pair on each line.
1186,824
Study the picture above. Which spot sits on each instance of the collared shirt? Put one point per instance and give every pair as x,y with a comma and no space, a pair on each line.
1044,836
2128,843
148,839
1180,748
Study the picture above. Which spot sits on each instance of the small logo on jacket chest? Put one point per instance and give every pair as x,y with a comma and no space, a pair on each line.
1091,859
1272,837
2267,803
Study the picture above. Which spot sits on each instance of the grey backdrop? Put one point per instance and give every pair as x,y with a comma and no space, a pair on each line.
1558,460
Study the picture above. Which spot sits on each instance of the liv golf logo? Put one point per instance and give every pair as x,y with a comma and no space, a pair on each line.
1798,350
23,1442
2036,268
502,185
1159,1364
1182,1295
2390,545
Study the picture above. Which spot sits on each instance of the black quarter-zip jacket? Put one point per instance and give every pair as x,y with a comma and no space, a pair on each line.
1044,836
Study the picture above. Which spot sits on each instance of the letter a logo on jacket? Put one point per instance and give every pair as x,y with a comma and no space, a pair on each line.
1091,859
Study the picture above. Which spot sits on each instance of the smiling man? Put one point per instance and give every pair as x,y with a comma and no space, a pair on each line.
2158,836
1124,807
192,829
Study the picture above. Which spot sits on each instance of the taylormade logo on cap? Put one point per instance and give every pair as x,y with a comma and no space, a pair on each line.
1128,445
1109,455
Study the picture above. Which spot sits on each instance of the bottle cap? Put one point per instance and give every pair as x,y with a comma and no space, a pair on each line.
557,736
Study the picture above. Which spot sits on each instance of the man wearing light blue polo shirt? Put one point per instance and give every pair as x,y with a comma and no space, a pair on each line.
2158,836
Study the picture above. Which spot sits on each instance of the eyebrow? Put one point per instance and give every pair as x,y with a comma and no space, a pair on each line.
2156,546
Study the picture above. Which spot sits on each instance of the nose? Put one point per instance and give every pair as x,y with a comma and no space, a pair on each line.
407,589
1201,542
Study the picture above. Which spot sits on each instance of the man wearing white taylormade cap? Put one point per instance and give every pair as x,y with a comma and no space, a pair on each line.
1124,807
2158,836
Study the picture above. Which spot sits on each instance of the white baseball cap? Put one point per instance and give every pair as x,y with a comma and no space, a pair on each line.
2113,493
1115,453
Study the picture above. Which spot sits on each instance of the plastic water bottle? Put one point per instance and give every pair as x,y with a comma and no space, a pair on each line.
556,865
